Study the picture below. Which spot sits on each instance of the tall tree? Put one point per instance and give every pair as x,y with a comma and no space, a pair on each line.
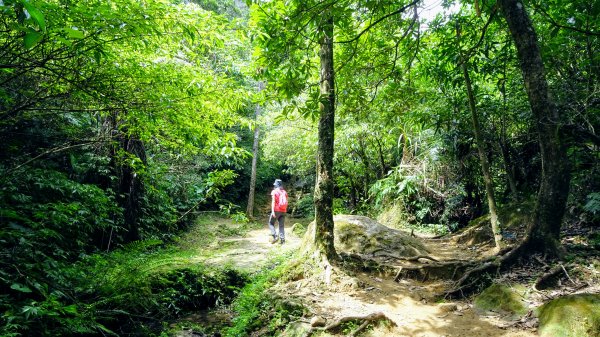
290,31
324,186
544,231
250,206
481,148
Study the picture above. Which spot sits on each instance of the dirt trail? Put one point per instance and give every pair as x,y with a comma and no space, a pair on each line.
409,304
252,251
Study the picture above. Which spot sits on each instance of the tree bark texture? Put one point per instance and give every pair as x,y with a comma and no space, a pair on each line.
323,239
250,207
544,232
485,165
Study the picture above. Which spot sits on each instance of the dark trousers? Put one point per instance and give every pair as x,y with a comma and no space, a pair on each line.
279,216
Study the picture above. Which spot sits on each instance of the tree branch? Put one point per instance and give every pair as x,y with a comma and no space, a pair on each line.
400,10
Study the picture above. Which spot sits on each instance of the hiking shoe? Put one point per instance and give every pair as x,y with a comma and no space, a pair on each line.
274,239
282,241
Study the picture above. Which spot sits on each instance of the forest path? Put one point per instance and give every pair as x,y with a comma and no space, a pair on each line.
251,251
410,304
223,242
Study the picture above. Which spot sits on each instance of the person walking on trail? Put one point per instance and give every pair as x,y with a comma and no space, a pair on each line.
279,204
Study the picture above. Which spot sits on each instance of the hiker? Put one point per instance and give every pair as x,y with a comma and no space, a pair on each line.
279,204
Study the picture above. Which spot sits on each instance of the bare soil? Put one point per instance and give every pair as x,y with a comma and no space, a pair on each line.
411,305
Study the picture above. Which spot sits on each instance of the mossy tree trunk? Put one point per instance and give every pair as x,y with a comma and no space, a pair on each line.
544,232
323,238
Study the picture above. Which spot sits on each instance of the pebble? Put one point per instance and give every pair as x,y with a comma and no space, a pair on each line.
448,307
317,321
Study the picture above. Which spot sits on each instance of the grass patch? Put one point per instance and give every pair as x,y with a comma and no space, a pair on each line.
144,285
257,307
204,235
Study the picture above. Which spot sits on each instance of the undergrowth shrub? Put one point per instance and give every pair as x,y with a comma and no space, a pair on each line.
153,285
184,290
304,206
127,292
257,307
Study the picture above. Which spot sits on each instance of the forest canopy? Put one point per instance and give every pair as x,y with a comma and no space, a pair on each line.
122,121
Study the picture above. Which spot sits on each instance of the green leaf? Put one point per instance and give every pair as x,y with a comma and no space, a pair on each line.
20,287
32,38
70,309
74,33
30,311
97,55
36,15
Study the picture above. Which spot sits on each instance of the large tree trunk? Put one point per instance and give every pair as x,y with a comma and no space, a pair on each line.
250,207
544,232
485,166
323,238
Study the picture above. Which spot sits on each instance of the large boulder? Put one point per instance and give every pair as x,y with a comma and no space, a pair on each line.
571,316
362,235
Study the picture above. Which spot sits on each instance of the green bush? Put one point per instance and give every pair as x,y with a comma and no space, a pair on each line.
131,289
184,290
305,206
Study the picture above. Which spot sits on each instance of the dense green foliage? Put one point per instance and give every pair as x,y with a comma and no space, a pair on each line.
119,120
404,133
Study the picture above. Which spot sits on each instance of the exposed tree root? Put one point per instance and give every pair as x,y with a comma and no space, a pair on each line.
434,271
551,276
402,258
439,270
543,281
365,320
479,277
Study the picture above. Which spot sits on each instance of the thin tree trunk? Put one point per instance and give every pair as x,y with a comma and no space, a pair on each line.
381,158
250,207
481,149
509,167
544,232
131,187
323,238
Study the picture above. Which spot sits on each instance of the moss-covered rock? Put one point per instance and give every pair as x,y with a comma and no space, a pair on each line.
571,316
503,299
299,229
513,221
479,231
296,329
362,235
